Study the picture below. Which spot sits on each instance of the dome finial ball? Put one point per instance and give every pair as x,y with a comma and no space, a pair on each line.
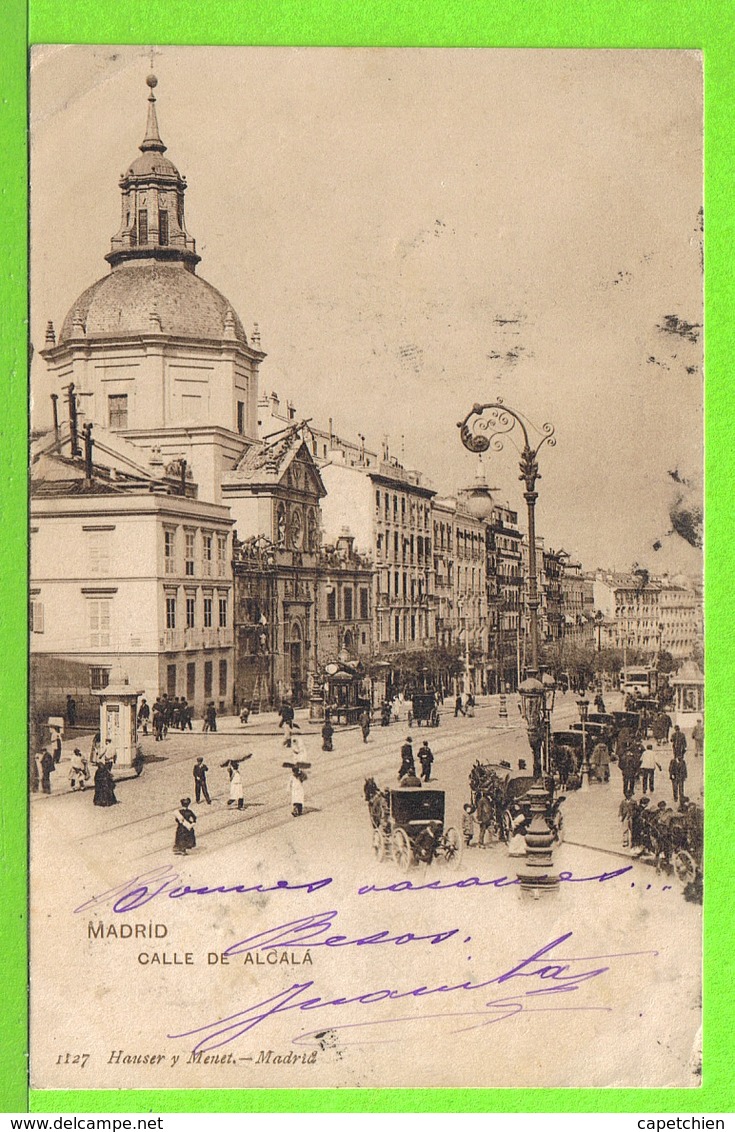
152,81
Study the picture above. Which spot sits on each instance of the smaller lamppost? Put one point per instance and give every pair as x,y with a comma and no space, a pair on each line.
599,621
549,685
584,706
531,691
536,873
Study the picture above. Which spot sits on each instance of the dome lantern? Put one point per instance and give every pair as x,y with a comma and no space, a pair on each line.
152,224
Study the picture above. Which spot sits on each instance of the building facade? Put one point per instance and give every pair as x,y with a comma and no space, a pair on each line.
505,588
126,570
388,510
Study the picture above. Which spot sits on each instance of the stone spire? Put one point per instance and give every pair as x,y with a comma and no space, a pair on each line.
152,139
152,224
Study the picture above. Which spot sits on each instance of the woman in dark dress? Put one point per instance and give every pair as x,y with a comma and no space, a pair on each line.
185,821
104,786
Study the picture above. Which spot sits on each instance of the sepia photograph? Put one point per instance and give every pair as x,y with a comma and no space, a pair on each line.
366,511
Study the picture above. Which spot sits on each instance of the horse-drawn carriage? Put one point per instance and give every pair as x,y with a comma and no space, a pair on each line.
424,709
408,826
494,797
674,839
500,806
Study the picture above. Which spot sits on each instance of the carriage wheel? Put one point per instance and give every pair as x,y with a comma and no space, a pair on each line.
684,867
452,847
402,854
378,845
506,826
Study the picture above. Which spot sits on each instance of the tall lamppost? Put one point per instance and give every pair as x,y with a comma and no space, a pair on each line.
482,429
584,706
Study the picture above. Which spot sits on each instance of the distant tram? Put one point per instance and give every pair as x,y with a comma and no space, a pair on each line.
642,680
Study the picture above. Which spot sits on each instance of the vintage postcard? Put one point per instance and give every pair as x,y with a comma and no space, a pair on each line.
366,640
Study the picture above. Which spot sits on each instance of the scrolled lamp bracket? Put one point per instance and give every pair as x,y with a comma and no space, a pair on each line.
485,426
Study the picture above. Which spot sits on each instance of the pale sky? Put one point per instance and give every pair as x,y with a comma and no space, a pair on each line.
417,230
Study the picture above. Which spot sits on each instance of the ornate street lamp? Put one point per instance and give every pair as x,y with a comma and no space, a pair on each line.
479,433
584,706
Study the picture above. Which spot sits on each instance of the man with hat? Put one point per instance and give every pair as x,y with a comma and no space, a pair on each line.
426,758
408,766
200,781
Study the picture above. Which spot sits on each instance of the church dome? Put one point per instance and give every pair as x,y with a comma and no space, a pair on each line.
152,297
153,164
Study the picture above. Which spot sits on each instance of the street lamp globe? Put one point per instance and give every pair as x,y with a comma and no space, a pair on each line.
583,706
549,684
533,698
478,498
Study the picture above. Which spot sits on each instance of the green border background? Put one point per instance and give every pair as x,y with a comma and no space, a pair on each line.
682,24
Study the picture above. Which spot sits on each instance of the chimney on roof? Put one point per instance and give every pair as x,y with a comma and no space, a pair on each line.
55,404
88,445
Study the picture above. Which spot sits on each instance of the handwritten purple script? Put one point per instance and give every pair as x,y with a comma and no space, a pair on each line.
543,973
311,931
165,881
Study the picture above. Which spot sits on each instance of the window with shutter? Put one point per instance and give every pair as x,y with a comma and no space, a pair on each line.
37,617
99,623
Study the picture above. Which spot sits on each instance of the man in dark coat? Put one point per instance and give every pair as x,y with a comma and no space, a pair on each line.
678,742
144,714
71,711
629,763
210,717
678,776
158,721
426,758
408,766
365,724
200,781
327,735
47,766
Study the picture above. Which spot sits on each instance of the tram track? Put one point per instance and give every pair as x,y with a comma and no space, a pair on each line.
344,771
